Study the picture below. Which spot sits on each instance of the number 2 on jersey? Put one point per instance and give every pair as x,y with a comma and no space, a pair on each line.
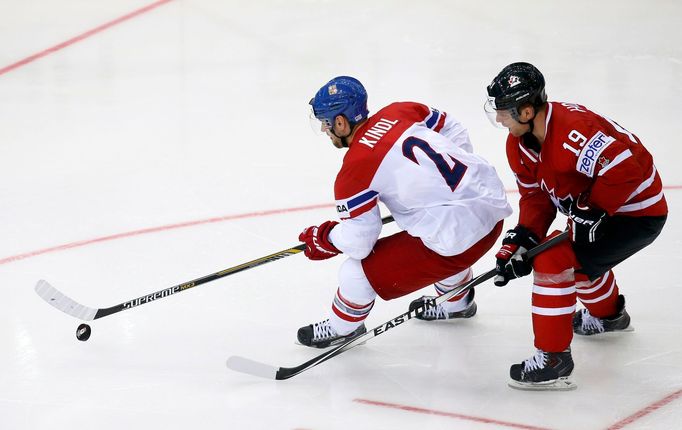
452,175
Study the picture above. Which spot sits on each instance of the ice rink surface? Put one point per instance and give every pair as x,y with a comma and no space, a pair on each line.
146,144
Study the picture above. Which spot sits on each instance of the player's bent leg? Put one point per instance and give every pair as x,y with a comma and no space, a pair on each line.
459,306
604,307
553,305
597,288
351,305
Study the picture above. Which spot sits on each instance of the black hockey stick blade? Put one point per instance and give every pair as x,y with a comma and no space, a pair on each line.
66,304
255,368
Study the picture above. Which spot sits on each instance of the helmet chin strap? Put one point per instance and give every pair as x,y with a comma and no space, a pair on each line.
529,123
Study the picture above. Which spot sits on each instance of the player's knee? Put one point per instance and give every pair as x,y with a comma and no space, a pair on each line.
353,283
555,260
458,278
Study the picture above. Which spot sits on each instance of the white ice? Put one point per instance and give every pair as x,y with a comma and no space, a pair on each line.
197,109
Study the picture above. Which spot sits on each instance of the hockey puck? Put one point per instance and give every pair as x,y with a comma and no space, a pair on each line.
83,332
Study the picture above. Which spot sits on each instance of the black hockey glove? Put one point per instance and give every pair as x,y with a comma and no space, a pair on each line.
586,224
511,262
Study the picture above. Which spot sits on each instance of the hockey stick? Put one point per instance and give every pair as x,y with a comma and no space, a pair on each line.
67,305
255,368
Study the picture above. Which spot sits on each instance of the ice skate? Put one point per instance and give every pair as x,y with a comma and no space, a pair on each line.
439,313
545,371
587,325
323,335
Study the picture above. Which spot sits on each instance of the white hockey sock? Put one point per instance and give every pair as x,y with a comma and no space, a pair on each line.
460,301
353,300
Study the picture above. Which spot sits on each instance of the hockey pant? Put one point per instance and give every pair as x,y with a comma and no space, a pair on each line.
399,265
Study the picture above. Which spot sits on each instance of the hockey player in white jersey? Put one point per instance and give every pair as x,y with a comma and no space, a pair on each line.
448,202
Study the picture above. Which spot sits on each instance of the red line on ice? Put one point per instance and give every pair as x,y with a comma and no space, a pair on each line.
449,415
158,229
646,411
80,37
182,225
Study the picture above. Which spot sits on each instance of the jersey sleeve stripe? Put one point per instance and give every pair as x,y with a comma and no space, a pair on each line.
432,120
644,185
616,161
361,199
641,205
362,209
441,123
528,154
525,185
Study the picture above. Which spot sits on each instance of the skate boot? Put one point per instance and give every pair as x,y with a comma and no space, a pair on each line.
587,325
545,371
322,335
439,313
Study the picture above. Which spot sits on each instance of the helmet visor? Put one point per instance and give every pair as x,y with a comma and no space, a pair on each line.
498,118
319,125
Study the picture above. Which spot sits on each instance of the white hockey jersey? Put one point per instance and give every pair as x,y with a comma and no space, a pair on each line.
418,162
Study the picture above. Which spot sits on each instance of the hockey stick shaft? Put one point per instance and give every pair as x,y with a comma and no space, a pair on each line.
73,308
259,369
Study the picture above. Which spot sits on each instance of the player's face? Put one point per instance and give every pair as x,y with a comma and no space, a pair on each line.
339,132
336,140
505,118
515,128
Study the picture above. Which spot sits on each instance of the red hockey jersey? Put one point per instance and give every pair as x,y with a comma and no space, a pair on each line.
583,153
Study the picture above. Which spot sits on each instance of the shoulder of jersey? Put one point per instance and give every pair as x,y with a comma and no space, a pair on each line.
387,124
566,119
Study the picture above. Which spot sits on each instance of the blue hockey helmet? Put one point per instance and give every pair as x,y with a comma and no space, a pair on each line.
342,95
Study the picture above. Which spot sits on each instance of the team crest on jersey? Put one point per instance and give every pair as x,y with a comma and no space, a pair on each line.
603,162
563,204
514,81
590,155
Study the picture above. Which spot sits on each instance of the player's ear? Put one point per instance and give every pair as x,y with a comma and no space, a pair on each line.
526,113
340,121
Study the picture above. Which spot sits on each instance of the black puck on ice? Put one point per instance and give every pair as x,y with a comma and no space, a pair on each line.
83,332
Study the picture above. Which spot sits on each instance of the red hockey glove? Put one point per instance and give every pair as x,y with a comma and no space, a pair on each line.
511,262
586,224
316,238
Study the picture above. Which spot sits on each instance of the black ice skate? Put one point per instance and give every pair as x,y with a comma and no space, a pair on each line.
439,313
544,371
587,325
322,335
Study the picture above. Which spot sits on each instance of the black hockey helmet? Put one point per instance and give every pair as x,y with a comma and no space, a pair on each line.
516,85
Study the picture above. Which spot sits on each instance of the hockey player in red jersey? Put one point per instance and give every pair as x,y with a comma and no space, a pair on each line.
568,158
448,201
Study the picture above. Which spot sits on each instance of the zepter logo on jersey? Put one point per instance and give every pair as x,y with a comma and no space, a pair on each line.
591,152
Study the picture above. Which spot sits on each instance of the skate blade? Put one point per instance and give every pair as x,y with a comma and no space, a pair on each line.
326,347
629,329
561,384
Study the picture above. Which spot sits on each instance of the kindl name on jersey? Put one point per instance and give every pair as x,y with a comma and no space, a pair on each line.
377,131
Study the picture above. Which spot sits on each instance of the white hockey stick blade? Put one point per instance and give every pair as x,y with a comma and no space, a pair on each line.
64,303
250,367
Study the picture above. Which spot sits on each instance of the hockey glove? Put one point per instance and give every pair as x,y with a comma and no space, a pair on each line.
511,261
586,224
316,238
